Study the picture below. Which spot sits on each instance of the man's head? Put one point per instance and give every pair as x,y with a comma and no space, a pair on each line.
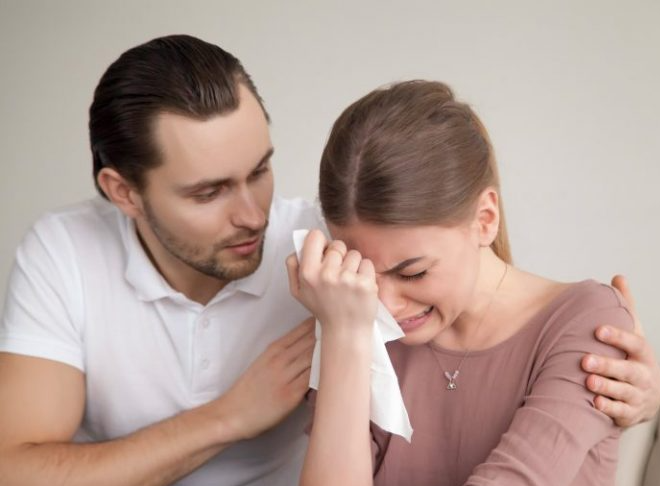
181,144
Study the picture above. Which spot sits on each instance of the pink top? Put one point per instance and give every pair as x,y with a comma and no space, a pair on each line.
520,414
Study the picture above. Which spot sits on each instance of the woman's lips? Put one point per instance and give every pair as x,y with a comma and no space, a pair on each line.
412,323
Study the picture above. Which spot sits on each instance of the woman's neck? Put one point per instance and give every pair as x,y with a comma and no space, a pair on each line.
488,297
493,316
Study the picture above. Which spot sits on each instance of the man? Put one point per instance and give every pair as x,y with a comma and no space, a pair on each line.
148,335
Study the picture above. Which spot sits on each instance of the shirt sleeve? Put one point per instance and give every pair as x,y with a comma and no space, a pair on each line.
557,426
44,298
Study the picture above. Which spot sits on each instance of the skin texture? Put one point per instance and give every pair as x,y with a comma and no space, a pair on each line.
188,235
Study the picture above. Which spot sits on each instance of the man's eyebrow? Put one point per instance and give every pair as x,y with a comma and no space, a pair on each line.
206,183
264,160
402,265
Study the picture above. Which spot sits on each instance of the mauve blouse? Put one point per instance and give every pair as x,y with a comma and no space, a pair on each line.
520,414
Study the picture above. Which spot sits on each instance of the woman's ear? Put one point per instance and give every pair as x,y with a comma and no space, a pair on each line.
488,216
120,192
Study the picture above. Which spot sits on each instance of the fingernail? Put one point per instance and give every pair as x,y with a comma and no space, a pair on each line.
604,333
591,363
595,383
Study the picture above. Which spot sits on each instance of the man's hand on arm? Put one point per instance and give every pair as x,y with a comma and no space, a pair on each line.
42,404
628,389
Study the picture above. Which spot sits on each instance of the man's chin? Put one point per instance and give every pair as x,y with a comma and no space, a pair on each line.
243,269
234,269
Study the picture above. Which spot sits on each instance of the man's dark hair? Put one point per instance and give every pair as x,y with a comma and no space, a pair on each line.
176,74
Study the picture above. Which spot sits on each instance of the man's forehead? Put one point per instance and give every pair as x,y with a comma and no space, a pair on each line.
219,146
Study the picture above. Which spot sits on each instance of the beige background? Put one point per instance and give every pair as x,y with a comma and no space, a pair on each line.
568,90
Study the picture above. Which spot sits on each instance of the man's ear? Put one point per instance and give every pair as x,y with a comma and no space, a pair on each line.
121,193
487,216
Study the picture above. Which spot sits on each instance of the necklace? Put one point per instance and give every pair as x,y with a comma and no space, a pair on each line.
451,377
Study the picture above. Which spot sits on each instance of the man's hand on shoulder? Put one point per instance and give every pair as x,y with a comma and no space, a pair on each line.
628,390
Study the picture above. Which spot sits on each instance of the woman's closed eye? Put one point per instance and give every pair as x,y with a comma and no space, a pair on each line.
415,276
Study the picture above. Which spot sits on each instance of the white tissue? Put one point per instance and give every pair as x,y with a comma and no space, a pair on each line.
387,408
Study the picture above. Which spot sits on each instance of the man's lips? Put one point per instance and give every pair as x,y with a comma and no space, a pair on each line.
244,243
245,247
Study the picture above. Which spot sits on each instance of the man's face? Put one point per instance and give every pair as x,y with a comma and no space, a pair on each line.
206,207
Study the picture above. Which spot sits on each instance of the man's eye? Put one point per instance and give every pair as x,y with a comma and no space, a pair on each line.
259,172
207,196
417,276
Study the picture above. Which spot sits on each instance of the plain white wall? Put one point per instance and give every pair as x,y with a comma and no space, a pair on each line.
568,90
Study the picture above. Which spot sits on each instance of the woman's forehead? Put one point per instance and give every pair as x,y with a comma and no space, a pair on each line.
390,245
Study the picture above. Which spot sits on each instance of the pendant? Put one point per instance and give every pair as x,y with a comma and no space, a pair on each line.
452,380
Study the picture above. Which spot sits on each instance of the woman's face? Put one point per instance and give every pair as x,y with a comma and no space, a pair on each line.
426,274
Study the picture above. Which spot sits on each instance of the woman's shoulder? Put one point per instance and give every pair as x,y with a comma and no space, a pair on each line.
583,306
588,296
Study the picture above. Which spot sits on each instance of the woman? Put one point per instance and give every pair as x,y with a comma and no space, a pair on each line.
489,365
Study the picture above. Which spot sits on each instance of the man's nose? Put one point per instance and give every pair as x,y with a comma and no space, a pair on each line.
246,212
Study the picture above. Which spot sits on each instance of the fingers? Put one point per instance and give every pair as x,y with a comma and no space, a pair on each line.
621,412
301,346
292,268
299,332
352,261
613,389
621,284
335,252
312,251
618,369
320,256
634,345
301,362
367,269
301,382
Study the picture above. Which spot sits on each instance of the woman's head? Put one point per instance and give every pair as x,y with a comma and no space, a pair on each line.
409,154
408,178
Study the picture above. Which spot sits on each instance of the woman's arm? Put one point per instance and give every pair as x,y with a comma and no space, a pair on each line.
339,288
628,389
557,435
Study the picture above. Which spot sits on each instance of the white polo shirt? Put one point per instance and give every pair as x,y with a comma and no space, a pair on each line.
83,292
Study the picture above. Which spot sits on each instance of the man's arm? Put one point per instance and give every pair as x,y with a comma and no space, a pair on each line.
628,389
42,404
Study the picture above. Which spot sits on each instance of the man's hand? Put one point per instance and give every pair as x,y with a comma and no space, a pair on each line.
628,389
273,385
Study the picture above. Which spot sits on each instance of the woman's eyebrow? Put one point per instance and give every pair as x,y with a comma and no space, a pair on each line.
397,268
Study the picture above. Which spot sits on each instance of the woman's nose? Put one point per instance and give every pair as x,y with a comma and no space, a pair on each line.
391,298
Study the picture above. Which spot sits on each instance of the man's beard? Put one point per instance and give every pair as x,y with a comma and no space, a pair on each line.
211,265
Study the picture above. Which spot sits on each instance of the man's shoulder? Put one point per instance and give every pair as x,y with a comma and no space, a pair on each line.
88,215
64,231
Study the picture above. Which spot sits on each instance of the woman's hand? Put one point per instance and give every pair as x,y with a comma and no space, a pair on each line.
339,288
336,285
628,389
